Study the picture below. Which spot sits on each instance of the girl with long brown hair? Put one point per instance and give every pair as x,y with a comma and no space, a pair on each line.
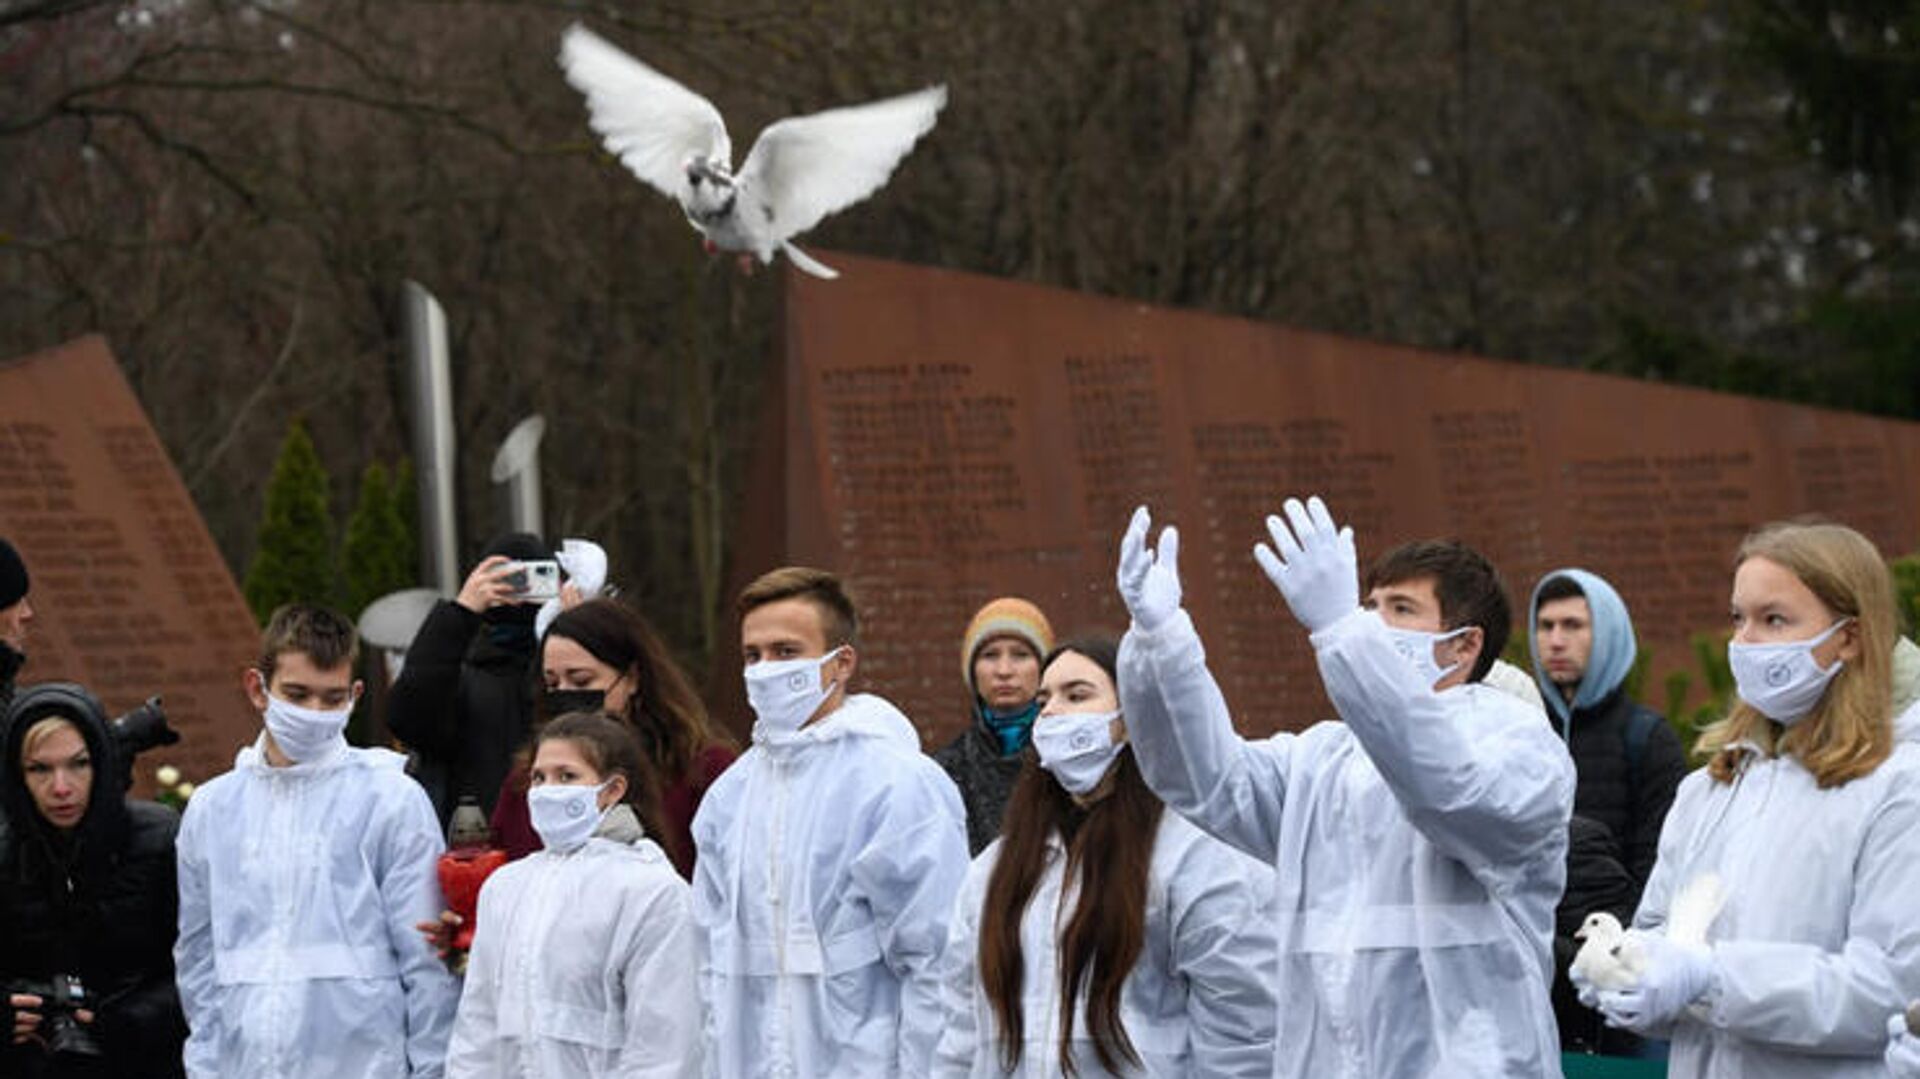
1808,815
1099,935
602,655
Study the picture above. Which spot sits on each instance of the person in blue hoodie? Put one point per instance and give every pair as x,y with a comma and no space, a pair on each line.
1628,763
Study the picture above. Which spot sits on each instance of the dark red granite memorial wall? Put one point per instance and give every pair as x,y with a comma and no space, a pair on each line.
942,438
130,595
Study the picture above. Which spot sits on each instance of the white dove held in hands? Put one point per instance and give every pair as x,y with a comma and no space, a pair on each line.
800,169
1608,958
1612,958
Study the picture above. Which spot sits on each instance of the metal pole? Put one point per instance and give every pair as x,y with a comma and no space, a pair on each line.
430,385
516,469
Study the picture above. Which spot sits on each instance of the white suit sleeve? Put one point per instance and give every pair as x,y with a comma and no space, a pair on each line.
663,1001
1803,997
193,949
409,894
1184,741
475,1046
959,1027
912,864
1223,946
1497,800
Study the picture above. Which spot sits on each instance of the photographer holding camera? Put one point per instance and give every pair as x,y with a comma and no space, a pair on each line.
464,700
87,898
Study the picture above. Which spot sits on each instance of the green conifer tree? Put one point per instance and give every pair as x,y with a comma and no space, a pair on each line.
293,558
376,554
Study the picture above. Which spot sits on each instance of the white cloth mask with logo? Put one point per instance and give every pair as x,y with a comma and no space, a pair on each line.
1782,681
785,693
1077,747
306,734
565,814
1417,645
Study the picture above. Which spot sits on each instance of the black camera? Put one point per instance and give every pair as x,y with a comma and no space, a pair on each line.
136,732
60,997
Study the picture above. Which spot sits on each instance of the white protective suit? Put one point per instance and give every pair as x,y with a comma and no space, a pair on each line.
299,891
584,965
1199,1000
1420,849
828,862
1819,940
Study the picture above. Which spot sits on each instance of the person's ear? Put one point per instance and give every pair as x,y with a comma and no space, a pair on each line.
1469,644
615,793
359,689
845,663
1848,640
256,686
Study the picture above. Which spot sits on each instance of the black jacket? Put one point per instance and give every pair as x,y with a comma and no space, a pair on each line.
99,903
985,779
1631,802
463,702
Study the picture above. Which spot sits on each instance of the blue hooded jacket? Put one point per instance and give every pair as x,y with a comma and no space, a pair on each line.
1613,647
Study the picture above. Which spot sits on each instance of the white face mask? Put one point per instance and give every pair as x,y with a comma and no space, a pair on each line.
1417,645
1782,681
565,814
1077,747
785,693
305,734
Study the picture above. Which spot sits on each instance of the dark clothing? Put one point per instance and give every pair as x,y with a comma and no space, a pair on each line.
679,801
463,703
1630,801
1596,880
97,902
985,779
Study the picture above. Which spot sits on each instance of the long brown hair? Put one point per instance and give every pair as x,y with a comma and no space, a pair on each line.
1850,732
1110,845
664,711
610,747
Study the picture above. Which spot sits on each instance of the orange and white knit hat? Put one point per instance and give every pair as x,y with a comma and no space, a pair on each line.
1008,616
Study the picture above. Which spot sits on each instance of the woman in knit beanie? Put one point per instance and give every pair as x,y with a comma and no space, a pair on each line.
1000,661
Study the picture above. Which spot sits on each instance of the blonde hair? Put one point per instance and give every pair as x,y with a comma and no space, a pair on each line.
44,729
1850,732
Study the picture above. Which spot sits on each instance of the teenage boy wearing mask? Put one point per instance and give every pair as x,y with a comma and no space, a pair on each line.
829,856
302,873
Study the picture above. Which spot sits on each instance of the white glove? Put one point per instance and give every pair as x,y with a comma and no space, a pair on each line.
1676,975
1903,1049
1583,987
1318,575
1149,580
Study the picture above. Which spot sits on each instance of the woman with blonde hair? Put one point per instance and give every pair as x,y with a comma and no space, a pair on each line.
1807,816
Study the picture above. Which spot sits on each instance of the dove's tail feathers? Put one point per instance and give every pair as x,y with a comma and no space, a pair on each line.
809,264
1695,908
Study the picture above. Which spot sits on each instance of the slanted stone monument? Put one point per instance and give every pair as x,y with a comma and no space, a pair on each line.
131,597
942,438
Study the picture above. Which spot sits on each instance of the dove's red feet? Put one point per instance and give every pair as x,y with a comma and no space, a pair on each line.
746,265
709,246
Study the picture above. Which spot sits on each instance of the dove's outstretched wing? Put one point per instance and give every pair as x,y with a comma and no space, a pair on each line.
651,123
806,167
1692,912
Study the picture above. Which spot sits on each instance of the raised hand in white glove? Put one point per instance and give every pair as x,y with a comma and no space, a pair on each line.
1149,580
1903,1048
1317,573
1675,976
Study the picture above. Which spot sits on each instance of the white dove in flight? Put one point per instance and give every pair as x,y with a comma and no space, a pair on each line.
1610,959
800,169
